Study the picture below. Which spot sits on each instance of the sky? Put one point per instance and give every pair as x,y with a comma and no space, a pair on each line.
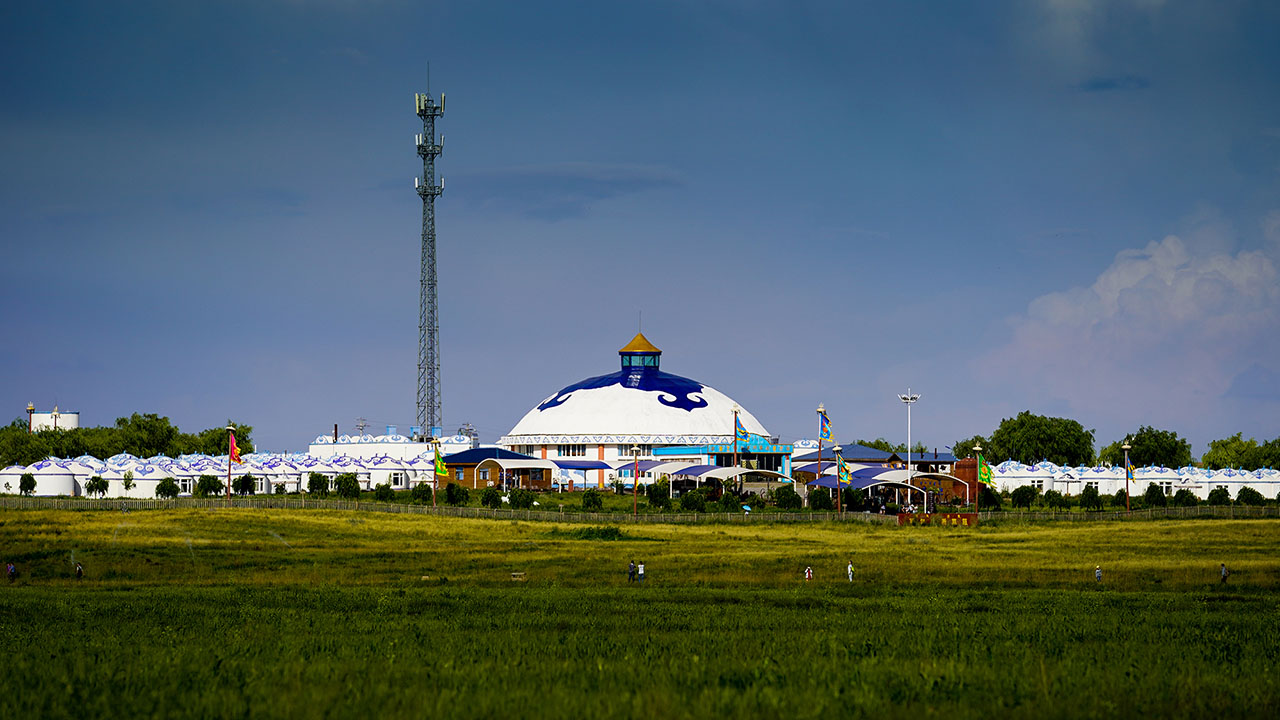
1070,207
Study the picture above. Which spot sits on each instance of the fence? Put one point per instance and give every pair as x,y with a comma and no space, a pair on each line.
1198,511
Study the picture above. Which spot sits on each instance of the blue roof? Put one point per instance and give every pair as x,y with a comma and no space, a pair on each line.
850,452
475,455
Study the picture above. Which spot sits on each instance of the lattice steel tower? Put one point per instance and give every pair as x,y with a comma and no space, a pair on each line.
429,406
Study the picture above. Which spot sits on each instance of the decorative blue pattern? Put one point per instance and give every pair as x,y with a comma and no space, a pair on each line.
676,392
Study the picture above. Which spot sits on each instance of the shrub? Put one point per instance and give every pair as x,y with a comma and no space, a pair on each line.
521,499
1024,496
1154,496
318,484
347,486
27,483
730,503
1185,498
280,489
853,499
1120,499
167,489
126,481
208,486
490,497
455,494
1054,500
1090,499
421,494
694,501
787,498
97,485
1219,496
591,500
1249,496
384,493
821,501
659,494
244,485
988,499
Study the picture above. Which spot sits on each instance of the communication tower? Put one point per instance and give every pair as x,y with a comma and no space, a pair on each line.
429,405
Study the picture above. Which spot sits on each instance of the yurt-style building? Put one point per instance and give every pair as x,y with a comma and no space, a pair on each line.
639,406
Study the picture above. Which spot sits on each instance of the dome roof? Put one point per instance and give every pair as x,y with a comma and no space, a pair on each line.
639,403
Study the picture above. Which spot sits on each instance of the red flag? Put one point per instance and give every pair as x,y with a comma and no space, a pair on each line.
234,451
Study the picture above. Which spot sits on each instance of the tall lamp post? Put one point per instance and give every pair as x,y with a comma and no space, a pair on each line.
977,451
909,400
635,482
1126,447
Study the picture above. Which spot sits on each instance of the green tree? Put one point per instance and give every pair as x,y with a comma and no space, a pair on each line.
455,494
1120,498
787,498
1233,452
591,500
1249,496
347,486
167,489
318,484
659,494
853,498
1154,496
1185,498
729,502
126,481
421,494
917,450
1149,447
1089,498
1219,496
27,483
521,499
988,499
1055,500
1030,438
490,497
97,485
965,448
1023,496
383,493
820,501
694,501
208,486
244,485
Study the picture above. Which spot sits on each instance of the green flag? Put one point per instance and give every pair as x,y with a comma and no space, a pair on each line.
984,473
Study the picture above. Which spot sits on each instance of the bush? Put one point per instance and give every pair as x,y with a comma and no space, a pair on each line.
490,497
787,498
694,501
318,484
280,489
455,494
208,486
1024,496
384,493
27,483
1120,499
1154,496
853,499
1249,496
521,499
347,486
659,494
1185,498
1219,496
1054,500
421,494
1090,499
244,485
167,489
988,499
591,500
730,503
821,501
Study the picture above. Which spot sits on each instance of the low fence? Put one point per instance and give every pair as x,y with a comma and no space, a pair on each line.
301,502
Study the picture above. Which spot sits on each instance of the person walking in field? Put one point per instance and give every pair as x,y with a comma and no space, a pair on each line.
808,573
79,571
631,572
850,570
1097,573
12,571
640,573
1225,573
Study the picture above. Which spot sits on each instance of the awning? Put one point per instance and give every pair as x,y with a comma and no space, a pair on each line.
582,464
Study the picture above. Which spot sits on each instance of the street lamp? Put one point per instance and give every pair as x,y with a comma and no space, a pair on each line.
635,482
909,399
1126,447
977,450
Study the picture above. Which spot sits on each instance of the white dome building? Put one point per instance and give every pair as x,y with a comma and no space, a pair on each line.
602,418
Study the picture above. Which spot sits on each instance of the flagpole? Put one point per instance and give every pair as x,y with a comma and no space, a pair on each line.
735,441
821,413
231,439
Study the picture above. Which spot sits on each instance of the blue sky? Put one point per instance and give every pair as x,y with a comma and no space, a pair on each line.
1064,206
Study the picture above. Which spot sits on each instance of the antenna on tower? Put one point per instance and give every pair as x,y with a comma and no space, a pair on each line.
430,415
361,424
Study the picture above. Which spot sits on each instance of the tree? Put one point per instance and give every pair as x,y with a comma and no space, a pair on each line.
455,494
167,489
787,498
383,493
659,494
421,494
1030,438
1185,498
1249,496
27,483
1149,447
1120,499
591,500
694,501
318,484
821,501
1154,496
244,485
965,448
901,448
490,497
521,499
1055,500
1024,496
126,481
1089,498
1233,452
853,498
347,486
1219,496
97,485
988,499
730,503
208,486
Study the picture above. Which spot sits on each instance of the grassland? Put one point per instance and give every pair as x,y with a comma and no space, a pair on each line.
225,613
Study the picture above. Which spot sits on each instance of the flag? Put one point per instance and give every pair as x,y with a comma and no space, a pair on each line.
824,425
842,471
1128,470
440,468
233,453
984,473
741,430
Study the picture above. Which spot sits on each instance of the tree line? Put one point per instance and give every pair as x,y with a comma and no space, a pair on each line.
142,434
1030,438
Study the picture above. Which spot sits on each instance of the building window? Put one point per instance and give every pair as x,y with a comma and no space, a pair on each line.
525,449
1167,487
571,450
1037,484
1093,485
396,478
626,451
483,474
459,474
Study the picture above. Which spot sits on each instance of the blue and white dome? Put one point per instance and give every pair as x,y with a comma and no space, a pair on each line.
638,403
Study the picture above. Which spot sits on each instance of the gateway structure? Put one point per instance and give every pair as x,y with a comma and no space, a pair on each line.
630,414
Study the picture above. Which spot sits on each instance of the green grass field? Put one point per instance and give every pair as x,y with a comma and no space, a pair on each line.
221,613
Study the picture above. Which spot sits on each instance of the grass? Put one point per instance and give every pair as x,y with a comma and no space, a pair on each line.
219,613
